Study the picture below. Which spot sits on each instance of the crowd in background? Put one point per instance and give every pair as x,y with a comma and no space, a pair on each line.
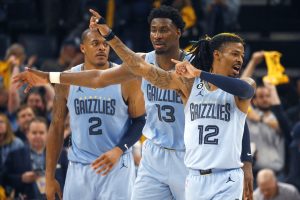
24,118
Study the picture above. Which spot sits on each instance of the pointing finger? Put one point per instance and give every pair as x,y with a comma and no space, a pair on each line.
175,61
95,13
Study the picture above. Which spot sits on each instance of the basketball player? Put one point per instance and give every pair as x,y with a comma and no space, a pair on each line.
164,128
104,122
216,106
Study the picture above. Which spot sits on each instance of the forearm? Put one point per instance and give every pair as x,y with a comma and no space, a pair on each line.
87,78
54,146
246,155
133,133
133,61
233,86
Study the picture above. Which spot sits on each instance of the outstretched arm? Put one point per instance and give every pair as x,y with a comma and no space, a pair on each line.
88,78
135,63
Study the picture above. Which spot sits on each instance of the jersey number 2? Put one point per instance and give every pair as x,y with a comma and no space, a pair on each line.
95,127
210,131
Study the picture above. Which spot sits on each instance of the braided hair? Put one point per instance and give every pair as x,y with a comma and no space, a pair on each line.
202,50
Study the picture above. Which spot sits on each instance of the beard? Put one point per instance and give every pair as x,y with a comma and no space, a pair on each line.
264,108
160,52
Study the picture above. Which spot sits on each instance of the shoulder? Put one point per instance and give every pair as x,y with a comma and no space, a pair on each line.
257,194
17,143
287,187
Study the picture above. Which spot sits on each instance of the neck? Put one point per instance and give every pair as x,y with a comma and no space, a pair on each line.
164,60
38,150
88,66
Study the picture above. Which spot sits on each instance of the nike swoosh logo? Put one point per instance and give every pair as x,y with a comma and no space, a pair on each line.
249,154
125,145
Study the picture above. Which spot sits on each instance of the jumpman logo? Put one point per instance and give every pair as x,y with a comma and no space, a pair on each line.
123,164
200,93
79,89
229,179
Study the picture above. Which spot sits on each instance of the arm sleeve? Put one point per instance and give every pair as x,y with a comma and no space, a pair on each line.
133,133
233,86
246,155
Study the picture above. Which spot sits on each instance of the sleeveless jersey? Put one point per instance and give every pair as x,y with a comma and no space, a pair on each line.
214,127
165,113
98,120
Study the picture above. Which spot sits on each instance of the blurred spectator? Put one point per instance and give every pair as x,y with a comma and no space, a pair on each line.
267,125
220,15
68,52
294,172
24,115
8,141
36,100
269,188
265,132
28,177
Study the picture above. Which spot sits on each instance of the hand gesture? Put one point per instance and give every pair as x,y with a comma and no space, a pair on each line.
185,69
94,25
258,57
107,161
32,78
53,188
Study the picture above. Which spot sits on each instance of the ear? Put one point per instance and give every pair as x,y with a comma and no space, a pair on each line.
217,55
82,49
178,32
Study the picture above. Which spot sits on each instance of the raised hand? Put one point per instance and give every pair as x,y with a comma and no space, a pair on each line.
107,161
94,23
186,69
32,78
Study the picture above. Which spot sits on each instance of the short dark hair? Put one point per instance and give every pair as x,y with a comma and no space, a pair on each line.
39,120
21,108
202,50
167,12
83,35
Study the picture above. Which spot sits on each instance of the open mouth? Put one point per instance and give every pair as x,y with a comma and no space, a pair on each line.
236,69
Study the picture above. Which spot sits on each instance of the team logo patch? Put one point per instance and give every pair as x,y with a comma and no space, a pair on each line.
200,85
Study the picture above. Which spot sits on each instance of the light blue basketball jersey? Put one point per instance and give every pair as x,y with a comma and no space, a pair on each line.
98,120
165,113
214,127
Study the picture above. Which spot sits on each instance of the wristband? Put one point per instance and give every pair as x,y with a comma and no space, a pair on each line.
101,21
109,36
54,77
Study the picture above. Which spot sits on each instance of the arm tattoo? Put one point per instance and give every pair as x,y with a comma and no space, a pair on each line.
159,77
131,60
140,67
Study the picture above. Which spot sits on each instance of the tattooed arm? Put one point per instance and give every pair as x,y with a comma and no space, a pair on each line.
136,64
